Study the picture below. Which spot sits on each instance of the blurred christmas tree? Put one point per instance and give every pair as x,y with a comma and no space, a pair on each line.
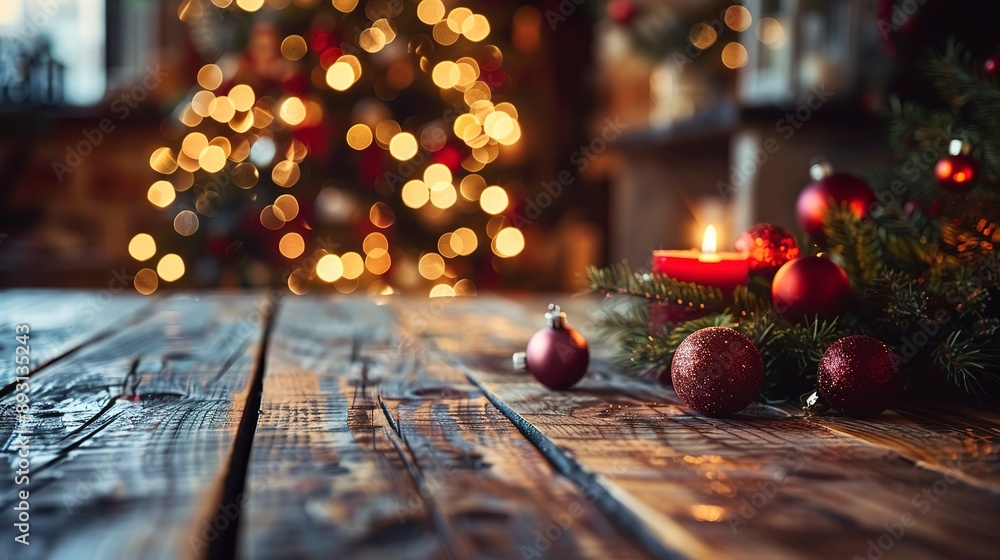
342,144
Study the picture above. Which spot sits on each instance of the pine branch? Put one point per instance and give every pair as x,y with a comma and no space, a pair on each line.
855,243
621,280
792,353
642,347
969,363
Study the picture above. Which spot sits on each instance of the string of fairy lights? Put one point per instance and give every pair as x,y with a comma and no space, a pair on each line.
242,134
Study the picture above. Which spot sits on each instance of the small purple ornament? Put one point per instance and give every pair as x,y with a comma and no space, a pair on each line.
557,355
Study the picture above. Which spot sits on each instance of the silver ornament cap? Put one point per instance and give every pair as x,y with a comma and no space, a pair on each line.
520,360
554,317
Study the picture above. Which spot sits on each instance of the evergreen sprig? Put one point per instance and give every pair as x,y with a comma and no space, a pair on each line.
621,280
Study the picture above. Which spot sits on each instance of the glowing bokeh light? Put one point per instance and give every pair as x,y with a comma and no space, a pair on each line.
142,247
286,207
493,200
430,11
375,241
340,76
738,18
734,55
294,47
186,223
509,242
770,32
210,76
292,111
431,266
146,281
381,215
403,146
161,194
702,35
291,245
359,136
330,268
170,268
354,265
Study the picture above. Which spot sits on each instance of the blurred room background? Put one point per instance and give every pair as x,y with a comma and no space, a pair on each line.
609,128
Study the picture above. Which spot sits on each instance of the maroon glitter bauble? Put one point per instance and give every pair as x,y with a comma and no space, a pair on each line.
558,358
956,173
838,189
767,247
717,371
859,376
810,287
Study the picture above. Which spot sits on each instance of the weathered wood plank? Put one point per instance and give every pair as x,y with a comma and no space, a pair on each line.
325,477
396,455
950,439
131,437
60,322
762,484
496,492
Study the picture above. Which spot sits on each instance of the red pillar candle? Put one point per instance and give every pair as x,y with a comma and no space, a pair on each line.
707,267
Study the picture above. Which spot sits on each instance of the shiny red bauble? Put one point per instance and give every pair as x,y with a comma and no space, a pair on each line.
557,355
859,376
767,247
834,189
810,287
717,371
956,173
558,358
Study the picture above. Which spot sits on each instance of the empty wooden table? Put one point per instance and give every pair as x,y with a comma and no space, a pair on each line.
264,425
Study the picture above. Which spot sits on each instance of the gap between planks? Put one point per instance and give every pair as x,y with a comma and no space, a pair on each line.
620,508
233,487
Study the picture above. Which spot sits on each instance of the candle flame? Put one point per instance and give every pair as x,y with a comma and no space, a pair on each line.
709,244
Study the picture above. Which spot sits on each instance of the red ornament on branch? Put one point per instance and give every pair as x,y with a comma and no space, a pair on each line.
859,376
957,171
717,371
767,247
992,66
829,188
621,11
810,287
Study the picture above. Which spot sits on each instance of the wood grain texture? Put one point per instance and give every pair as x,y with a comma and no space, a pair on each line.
396,455
325,477
759,484
397,429
950,439
131,436
61,322
497,494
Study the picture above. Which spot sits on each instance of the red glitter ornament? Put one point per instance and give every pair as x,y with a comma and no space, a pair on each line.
717,371
859,376
829,188
957,171
808,287
767,247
